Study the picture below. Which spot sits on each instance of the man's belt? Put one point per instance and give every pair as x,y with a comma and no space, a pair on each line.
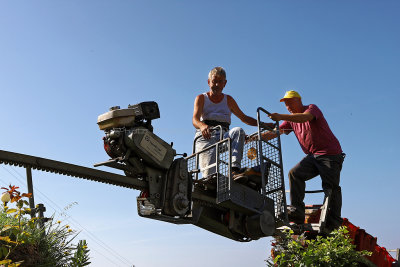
224,125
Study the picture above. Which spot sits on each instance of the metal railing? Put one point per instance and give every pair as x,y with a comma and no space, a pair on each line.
268,158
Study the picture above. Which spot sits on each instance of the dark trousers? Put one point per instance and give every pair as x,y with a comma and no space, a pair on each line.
328,167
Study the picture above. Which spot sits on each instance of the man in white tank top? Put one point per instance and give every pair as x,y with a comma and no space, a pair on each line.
215,108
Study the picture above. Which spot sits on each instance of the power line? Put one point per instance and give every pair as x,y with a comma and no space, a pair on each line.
96,239
92,236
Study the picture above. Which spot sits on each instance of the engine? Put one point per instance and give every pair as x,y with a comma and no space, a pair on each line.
134,148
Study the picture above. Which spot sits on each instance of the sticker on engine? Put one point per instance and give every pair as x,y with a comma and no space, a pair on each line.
152,146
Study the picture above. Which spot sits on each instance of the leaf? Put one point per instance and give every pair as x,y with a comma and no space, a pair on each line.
11,211
7,239
5,250
5,261
6,227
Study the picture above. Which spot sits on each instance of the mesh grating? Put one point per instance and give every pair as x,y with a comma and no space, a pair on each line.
272,158
222,160
191,161
223,182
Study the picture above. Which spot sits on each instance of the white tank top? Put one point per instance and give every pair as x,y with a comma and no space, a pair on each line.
216,111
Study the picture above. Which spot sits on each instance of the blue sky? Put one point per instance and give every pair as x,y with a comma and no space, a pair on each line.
63,63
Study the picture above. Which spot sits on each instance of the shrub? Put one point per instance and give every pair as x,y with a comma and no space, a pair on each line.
335,249
31,242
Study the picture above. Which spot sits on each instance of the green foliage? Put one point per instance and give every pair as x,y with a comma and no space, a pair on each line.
27,241
335,249
56,247
81,256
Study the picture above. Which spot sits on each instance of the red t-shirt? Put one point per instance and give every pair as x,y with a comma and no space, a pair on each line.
315,136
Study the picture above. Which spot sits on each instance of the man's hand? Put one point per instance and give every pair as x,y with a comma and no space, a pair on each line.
249,138
275,117
205,131
268,126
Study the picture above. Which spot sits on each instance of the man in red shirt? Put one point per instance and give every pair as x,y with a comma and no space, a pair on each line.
324,156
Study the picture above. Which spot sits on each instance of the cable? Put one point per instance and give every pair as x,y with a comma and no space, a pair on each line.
5,184
95,239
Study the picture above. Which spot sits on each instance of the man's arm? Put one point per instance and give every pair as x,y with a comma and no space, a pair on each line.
233,106
197,111
295,117
284,128
268,135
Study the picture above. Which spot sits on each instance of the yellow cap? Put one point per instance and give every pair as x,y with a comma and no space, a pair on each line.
290,94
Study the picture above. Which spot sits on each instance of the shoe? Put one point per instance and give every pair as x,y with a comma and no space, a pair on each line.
245,174
296,216
252,172
239,177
